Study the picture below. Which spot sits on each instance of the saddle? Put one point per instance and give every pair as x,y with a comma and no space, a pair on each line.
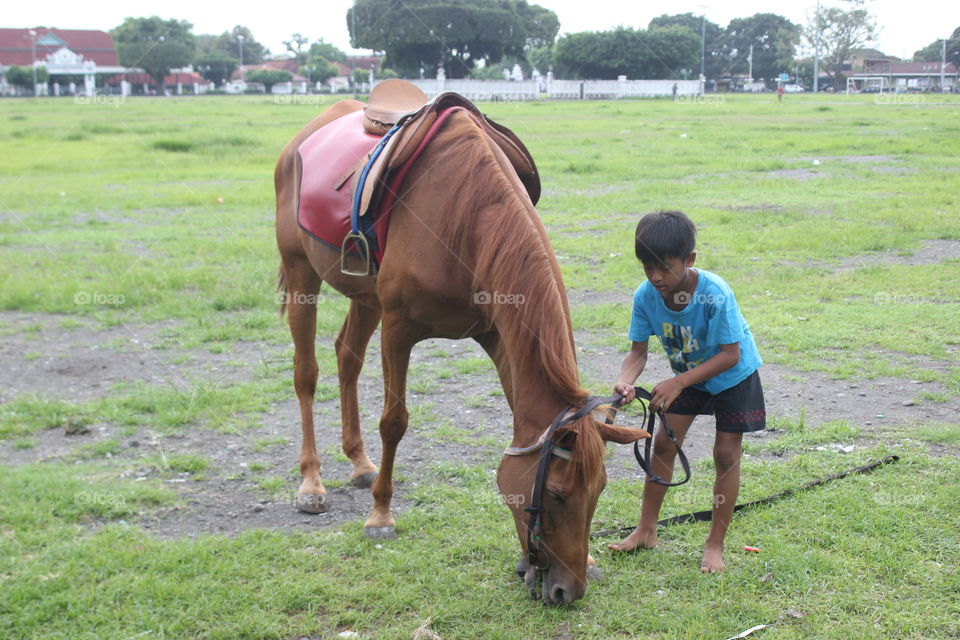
352,169
389,101
398,104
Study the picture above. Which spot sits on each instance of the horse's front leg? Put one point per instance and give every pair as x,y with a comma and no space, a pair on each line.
397,340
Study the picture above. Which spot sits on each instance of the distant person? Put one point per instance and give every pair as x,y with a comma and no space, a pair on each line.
716,371
674,90
779,93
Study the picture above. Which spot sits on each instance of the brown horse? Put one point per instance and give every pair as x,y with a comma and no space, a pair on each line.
467,258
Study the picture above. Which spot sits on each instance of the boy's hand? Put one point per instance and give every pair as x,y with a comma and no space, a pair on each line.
626,391
665,393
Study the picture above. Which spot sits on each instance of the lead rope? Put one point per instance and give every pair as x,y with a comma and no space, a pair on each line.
645,459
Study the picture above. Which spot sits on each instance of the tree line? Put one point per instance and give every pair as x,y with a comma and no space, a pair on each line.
478,38
157,46
473,37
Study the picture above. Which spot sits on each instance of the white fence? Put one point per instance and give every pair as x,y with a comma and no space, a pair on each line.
482,90
612,89
512,91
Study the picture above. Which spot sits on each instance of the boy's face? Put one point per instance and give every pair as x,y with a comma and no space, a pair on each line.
670,275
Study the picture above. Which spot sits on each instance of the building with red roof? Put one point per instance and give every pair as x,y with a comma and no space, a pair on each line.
68,53
17,46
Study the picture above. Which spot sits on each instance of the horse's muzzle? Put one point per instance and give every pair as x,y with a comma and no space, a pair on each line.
556,589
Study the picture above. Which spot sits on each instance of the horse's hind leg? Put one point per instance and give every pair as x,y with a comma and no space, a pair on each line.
396,343
303,284
351,346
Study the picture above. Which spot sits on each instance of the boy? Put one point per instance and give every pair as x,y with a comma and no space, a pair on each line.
714,360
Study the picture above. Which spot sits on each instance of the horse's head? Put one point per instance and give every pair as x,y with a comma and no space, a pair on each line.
555,544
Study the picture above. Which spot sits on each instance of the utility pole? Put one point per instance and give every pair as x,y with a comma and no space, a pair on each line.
33,55
816,54
750,60
943,61
703,39
353,58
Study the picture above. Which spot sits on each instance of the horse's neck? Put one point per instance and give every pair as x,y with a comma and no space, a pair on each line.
536,401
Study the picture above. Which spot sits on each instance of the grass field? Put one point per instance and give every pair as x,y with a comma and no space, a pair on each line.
144,226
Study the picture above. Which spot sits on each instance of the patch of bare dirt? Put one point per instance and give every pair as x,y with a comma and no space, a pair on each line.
929,252
51,355
462,419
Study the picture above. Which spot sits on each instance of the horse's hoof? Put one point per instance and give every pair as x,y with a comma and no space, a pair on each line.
380,533
312,502
593,573
364,480
522,565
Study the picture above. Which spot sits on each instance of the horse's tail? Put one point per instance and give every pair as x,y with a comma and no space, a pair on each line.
282,288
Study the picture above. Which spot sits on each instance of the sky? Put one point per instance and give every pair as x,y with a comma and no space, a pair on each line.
905,26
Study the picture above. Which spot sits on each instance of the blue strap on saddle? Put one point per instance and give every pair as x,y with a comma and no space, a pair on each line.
355,213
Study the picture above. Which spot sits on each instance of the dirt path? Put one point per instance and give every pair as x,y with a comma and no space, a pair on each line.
39,353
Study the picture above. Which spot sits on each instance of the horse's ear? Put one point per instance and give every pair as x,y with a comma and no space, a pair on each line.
565,437
620,435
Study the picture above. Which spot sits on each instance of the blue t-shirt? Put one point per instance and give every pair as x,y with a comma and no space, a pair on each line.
692,336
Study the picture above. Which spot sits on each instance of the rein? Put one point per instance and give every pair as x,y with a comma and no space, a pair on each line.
546,445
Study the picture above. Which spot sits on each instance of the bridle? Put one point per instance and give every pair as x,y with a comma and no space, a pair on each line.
548,448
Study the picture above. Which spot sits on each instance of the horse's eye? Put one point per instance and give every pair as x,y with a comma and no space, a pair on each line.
557,496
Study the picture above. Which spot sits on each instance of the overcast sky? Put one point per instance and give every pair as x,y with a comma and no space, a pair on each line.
905,25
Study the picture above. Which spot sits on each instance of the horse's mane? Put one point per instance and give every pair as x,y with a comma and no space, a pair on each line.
509,254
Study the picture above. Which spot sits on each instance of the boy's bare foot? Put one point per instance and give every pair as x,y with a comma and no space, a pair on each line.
638,539
712,558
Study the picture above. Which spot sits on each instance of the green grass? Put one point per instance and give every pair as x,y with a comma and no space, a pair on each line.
186,463
27,414
858,558
109,217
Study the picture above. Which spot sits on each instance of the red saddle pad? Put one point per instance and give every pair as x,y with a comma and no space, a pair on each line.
326,197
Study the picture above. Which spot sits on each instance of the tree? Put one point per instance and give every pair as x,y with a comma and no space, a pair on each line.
216,66
268,77
541,59
228,42
774,40
154,45
417,34
841,30
327,51
714,60
540,25
318,69
934,51
652,54
23,77
361,76
296,45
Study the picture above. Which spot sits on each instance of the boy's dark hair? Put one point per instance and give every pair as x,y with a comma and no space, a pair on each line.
665,234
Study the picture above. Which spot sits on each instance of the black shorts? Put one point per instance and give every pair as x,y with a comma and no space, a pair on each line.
739,409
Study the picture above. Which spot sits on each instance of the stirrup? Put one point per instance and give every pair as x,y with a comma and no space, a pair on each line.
363,246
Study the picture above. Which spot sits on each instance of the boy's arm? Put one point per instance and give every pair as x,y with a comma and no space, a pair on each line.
667,391
630,370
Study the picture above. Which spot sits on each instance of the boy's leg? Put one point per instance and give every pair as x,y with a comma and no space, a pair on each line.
663,454
727,450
